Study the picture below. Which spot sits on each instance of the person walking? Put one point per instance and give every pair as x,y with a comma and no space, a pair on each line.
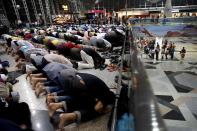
182,53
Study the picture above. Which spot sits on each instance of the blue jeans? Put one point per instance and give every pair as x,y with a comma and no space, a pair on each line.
62,98
51,89
49,83
5,64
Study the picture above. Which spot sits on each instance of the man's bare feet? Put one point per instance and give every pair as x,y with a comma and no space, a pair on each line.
39,75
18,64
36,80
28,74
39,84
39,90
50,99
99,107
52,107
66,118
33,82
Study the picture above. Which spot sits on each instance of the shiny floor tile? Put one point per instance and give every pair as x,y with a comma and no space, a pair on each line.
40,120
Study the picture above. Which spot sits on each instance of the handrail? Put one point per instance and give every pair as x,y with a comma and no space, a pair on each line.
146,112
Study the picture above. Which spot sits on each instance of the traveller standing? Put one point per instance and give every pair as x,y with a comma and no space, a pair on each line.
167,51
172,50
157,50
163,51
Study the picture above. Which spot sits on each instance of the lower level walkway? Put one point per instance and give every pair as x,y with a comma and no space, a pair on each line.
174,83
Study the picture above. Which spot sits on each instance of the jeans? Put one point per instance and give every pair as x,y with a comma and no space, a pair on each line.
44,62
49,83
62,98
51,89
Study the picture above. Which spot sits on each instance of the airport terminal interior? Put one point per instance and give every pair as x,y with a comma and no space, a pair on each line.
98,65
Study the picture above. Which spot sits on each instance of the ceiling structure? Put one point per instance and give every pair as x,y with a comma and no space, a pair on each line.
54,7
120,4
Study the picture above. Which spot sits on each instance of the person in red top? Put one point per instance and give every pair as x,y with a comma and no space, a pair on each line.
27,36
71,45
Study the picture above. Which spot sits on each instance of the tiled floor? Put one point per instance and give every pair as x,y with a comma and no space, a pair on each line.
173,82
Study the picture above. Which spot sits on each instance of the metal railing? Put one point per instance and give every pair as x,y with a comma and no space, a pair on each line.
146,113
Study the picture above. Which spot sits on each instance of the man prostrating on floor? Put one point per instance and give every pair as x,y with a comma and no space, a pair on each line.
85,97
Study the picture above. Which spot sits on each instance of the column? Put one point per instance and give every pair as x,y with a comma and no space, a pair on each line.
15,9
26,11
168,8
35,10
48,11
42,11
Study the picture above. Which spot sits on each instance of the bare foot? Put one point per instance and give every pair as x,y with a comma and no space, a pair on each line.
52,107
28,74
30,78
38,85
18,65
66,118
99,107
39,90
34,82
50,99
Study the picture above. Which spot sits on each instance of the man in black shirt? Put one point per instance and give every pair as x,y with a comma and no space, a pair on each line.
90,97
86,57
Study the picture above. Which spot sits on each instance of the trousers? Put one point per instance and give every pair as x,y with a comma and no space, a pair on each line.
87,61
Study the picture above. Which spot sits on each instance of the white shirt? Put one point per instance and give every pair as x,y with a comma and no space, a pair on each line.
107,43
6,36
3,77
100,35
